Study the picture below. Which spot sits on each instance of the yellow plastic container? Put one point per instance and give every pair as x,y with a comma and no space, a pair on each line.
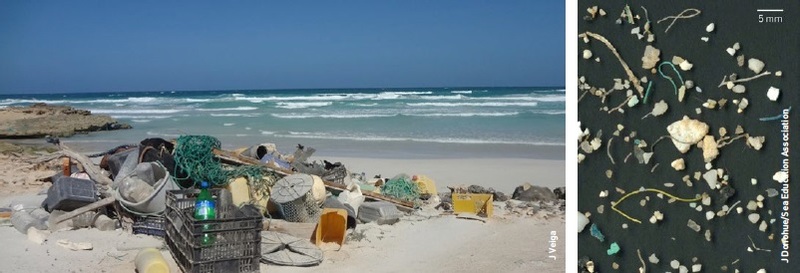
474,203
426,185
332,226
240,191
150,260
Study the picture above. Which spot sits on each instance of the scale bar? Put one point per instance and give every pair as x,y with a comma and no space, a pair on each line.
769,10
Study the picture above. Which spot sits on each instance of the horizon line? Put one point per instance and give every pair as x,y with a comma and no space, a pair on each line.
267,89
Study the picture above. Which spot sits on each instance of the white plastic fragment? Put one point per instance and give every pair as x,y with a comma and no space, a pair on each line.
773,93
755,65
587,54
738,89
753,217
731,51
687,132
686,65
678,164
710,27
582,221
653,259
780,177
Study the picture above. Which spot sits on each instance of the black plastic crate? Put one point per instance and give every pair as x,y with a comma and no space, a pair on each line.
69,193
237,243
150,225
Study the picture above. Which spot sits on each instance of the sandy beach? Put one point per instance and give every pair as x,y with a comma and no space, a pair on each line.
425,241
502,174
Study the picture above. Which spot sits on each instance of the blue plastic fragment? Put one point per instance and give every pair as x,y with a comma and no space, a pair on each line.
613,249
596,233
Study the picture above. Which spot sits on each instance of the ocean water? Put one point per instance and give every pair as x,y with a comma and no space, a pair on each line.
525,122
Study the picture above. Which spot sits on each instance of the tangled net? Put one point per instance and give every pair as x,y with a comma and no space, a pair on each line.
401,187
194,155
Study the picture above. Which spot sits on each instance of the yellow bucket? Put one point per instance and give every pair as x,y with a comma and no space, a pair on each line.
332,226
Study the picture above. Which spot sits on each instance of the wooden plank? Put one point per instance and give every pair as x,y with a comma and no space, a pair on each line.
93,206
299,230
243,160
470,216
402,205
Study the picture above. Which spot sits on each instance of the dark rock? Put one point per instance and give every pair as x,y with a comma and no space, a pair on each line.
446,198
528,192
561,193
725,193
499,196
476,189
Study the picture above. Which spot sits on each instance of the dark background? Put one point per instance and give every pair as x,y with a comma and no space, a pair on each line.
736,21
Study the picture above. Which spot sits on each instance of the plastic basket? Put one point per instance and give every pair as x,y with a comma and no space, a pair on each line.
237,243
149,225
335,175
69,193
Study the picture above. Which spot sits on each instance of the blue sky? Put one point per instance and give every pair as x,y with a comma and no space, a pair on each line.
95,46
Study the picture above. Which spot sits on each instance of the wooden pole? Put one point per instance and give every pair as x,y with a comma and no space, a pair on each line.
93,206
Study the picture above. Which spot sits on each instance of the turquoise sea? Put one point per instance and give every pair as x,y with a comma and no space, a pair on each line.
519,122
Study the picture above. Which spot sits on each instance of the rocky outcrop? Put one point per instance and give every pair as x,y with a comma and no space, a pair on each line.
40,120
528,192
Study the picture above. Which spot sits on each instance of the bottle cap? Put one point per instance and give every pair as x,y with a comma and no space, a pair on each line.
204,185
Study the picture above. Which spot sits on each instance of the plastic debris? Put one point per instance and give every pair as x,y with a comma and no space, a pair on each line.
596,233
613,249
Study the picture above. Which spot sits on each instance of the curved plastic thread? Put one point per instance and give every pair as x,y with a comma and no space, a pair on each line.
668,77
614,206
776,117
683,15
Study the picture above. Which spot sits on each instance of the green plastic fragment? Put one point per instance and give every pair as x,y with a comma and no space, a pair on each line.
613,249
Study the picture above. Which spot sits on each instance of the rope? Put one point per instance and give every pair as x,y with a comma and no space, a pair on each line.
193,154
614,206
679,16
401,188
627,69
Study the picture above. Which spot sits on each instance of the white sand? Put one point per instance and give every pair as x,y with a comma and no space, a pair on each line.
447,244
503,174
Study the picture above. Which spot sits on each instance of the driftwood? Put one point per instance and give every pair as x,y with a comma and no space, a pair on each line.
89,167
299,230
470,216
235,159
93,206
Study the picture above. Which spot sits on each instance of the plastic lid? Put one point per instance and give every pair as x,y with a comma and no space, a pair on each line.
291,187
204,185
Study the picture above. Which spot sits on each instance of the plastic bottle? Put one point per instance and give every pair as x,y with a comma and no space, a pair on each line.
205,209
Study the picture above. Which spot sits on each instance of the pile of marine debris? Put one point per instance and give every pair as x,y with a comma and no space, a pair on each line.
127,188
